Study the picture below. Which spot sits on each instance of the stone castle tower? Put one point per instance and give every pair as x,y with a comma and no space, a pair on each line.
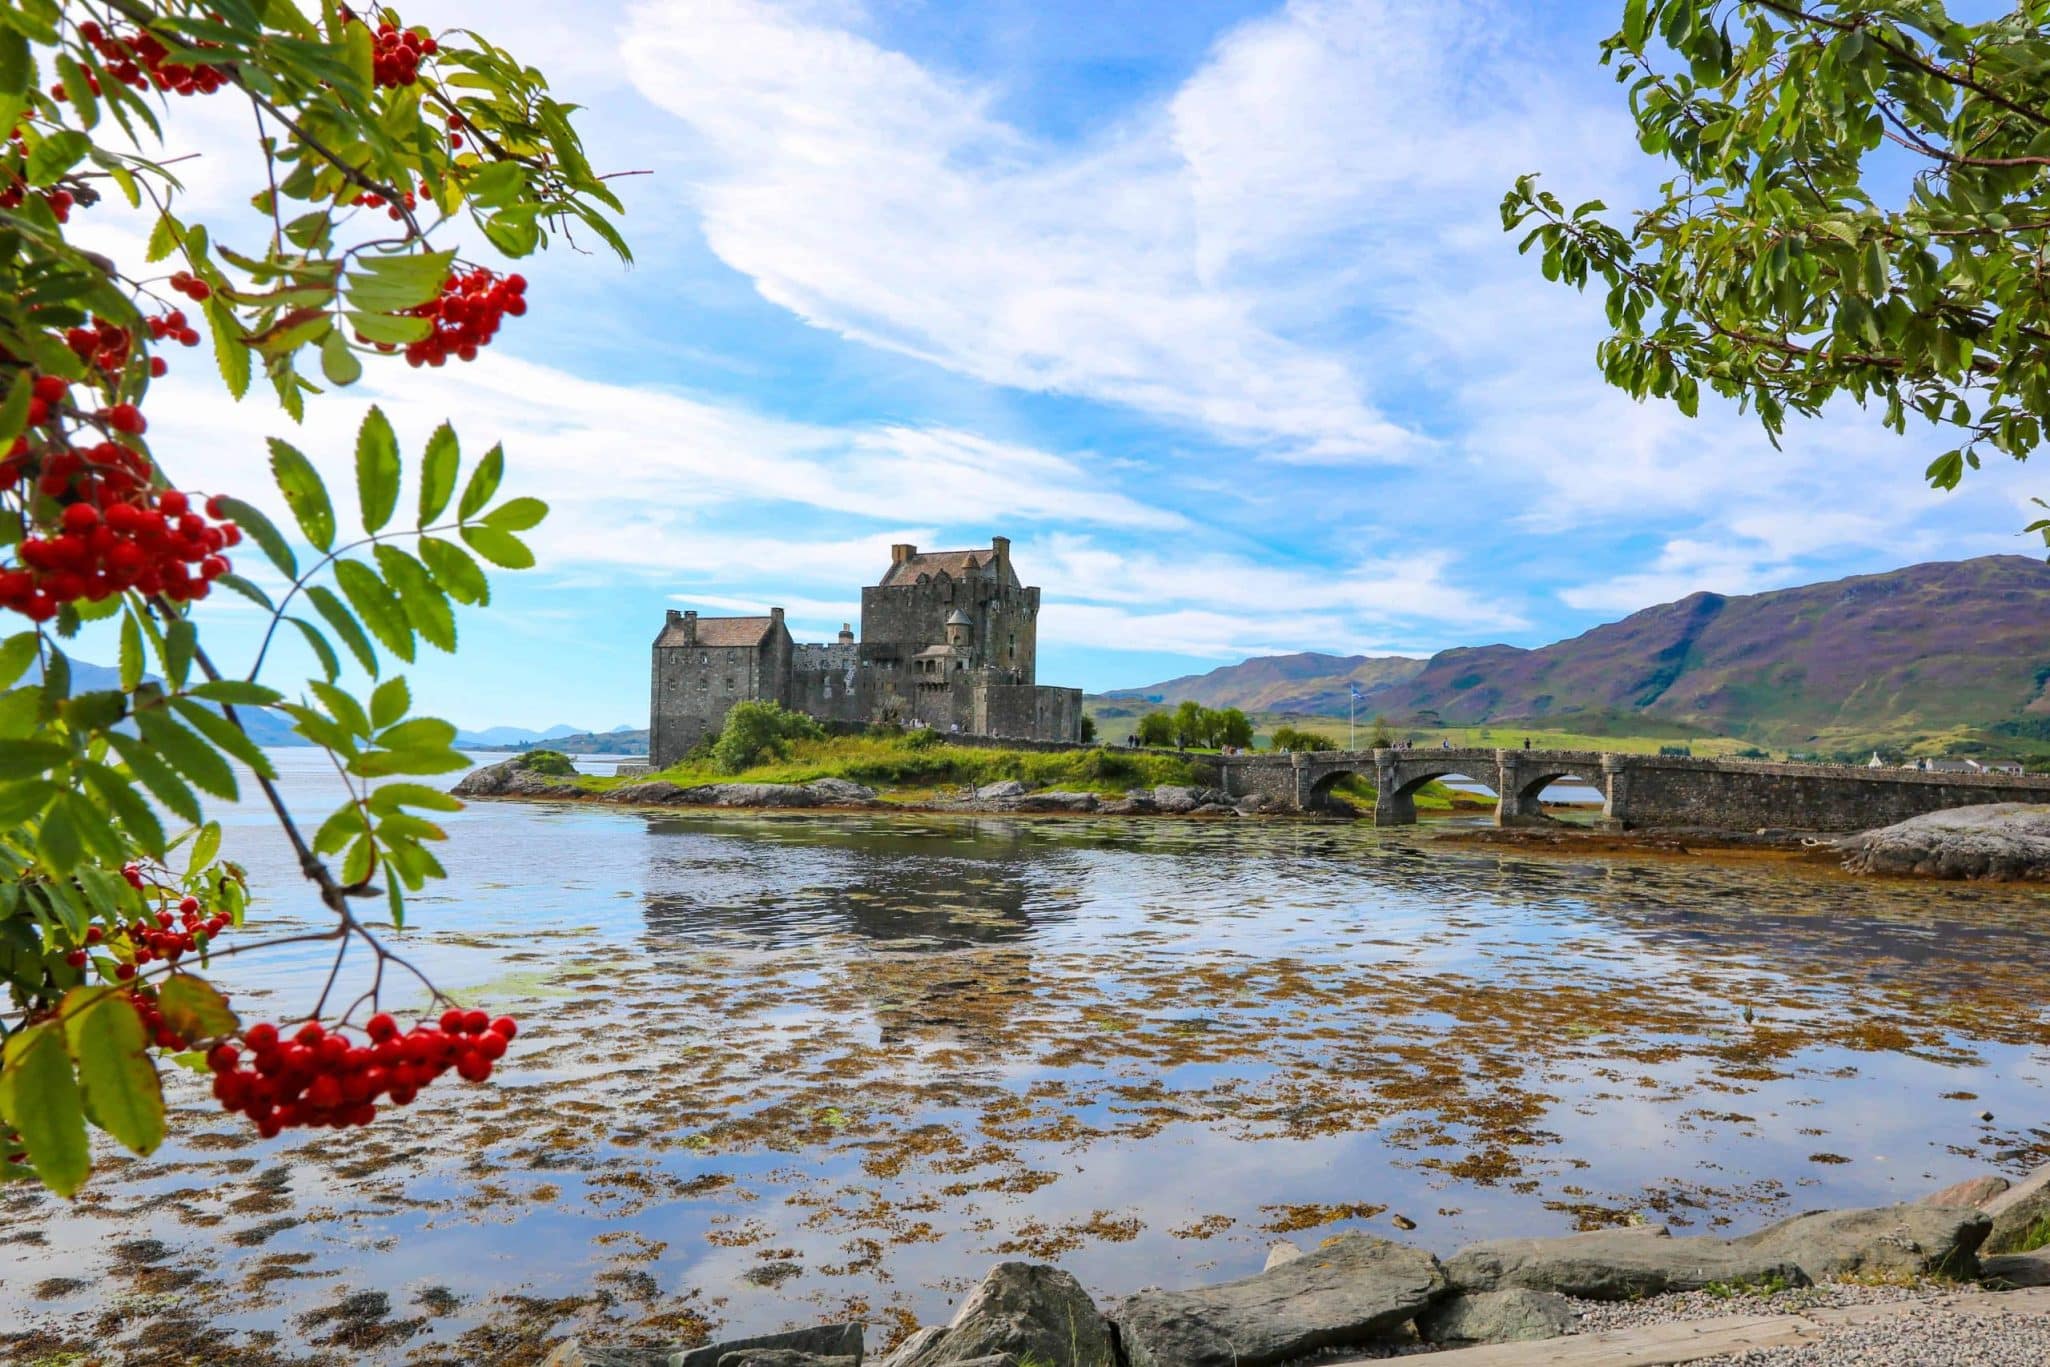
948,640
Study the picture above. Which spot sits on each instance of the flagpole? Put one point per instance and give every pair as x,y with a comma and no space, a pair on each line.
1352,718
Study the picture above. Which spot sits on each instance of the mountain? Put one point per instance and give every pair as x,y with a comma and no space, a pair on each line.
1930,647
504,737
1304,682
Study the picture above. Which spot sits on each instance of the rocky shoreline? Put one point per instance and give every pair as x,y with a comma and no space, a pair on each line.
1373,1297
511,779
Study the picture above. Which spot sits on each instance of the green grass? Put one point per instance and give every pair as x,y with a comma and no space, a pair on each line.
911,763
1646,739
1359,794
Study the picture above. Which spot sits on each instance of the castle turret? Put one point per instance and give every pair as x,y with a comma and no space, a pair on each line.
846,633
960,629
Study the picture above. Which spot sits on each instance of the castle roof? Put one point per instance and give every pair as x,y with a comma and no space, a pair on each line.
958,618
719,631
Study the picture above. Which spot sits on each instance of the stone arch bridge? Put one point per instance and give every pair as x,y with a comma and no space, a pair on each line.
1638,791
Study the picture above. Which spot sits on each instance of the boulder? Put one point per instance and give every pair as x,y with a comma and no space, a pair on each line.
841,792
1214,809
1515,1316
2016,1269
1057,800
1001,792
783,1357
830,1342
572,1353
1891,1240
1615,1264
512,778
1973,1191
654,793
1351,1292
1999,841
1174,798
1279,1252
2018,1211
1025,1310
920,1340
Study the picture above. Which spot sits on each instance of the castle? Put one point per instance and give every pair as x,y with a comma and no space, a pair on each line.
948,640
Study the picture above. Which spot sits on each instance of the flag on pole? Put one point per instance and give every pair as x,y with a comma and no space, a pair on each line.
1356,694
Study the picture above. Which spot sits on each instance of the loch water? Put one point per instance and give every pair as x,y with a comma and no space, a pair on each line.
781,1068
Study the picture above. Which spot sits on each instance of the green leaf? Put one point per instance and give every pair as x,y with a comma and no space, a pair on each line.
20,801
386,284
483,484
377,605
338,360
392,330
455,570
181,641
131,653
79,90
58,840
517,514
21,759
206,847
134,814
337,615
39,1097
344,708
501,548
17,66
195,1008
300,483
387,798
164,237
230,355
55,155
14,410
390,702
238,692
330,664
188,754
122,1092
377,469
426,606
154,774
17,653
225,734
418,733
438,473
264,532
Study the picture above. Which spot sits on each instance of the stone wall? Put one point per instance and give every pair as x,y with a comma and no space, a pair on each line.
826,681
1658,790
1026,711
694,686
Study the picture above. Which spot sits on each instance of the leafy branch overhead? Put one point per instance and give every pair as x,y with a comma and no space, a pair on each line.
1778,268
371,140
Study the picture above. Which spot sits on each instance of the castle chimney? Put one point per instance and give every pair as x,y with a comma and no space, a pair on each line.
847,633
776,616
902,552
1000,548
675,616
690,627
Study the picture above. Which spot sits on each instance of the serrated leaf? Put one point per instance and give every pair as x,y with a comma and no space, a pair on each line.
330,664
55,155
206,847
377,606
195,1008
483,484
17,65
134,814
337,615
426,605
264,532
455,570
21,759
391,329
390,797
17,653
438,468
237,691
377,469
391,700
131,653
188,754
304,493
151,770
230,355
517,514
39,1097
385,284
500,547
121,1090
225,734
164,237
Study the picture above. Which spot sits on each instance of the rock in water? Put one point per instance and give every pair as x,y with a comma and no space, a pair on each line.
1615,1264
1352,1292
1005,788
841,792
1497,1317
828,1342
1027,1310
1891,1240
512,778
2000,841
1279,1252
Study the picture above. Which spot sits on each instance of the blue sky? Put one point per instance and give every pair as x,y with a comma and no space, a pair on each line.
1205,304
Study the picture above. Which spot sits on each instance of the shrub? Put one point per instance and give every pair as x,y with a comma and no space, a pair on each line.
1156,728
552,762
1289,738
754,730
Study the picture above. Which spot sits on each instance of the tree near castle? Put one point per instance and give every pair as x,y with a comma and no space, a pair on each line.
374,147
1782,266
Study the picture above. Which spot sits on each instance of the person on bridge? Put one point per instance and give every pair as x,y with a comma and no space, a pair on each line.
1526,742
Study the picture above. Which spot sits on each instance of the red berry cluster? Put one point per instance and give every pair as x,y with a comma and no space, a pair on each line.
144,1000
118,532
456,124
137,59
17,189
393,209
192,287
77,957
321,1077
466,315
169,938
396,60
